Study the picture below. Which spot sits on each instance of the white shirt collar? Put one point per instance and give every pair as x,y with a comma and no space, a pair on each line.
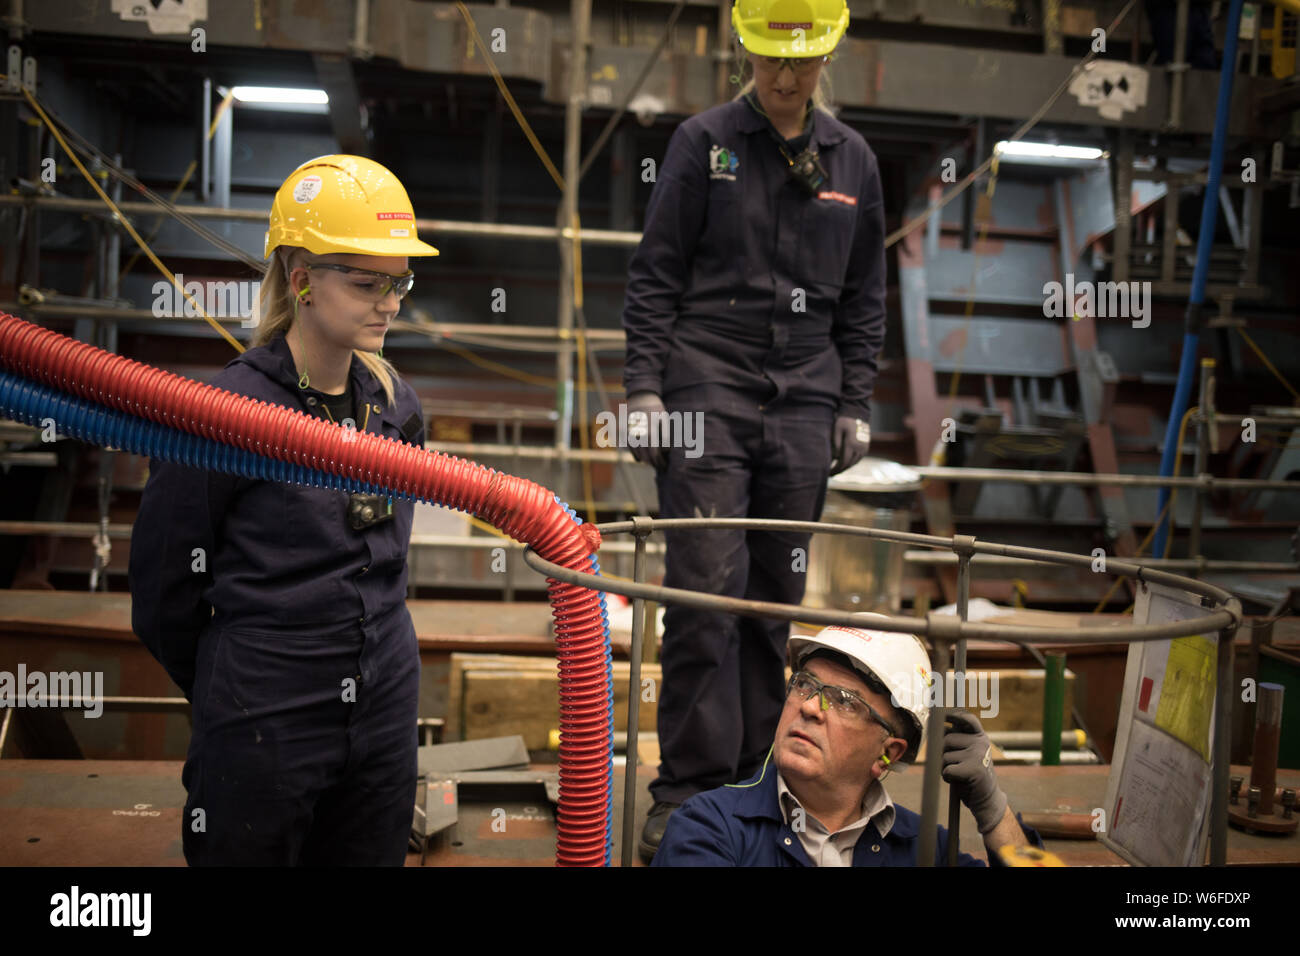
877,807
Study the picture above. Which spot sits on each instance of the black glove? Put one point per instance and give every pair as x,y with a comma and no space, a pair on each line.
968,763
849,442
641,409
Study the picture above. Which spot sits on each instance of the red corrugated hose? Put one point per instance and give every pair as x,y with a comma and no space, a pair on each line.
520,508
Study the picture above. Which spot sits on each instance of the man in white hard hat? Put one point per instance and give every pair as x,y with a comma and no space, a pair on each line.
856,706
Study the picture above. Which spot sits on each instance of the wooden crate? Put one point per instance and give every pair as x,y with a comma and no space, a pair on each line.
492,695
1020,701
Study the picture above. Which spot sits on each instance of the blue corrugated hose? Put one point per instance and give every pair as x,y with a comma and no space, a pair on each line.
1204,240
35,404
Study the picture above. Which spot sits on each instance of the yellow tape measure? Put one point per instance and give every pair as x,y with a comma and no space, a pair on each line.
1028,856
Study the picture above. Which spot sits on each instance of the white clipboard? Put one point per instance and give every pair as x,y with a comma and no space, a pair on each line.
1158,792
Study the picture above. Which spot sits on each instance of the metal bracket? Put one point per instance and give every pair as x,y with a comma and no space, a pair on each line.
943,627
1277,171
1107,380
359,46
20,71
14,70
963,544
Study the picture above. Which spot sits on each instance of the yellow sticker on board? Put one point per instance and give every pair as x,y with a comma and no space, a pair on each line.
1187,692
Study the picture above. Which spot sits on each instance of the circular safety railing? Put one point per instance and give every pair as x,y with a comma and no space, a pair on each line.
947,634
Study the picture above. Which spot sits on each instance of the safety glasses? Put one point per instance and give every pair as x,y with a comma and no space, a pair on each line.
840,699
370,284
799,64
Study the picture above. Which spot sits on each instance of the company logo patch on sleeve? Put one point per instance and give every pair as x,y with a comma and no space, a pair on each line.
838,197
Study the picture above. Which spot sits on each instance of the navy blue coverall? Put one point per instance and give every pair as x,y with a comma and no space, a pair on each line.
763,307
743,826
290,636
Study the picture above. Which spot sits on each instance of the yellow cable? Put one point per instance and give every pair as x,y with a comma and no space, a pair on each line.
1178,461
588,503
125,222
180,187
510,100
1137,554
577,260
1269,365
185,179
492,366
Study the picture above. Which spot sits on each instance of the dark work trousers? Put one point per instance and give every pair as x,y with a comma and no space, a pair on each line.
723,675
286,764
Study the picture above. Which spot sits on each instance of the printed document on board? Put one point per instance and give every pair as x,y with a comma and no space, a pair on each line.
1158,794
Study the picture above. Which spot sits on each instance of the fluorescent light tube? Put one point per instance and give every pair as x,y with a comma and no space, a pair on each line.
281,95
1047,150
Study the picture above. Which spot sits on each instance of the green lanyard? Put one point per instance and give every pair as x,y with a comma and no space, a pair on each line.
771,127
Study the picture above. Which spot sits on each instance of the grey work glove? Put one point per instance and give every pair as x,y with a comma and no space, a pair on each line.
640,407
849,442
968,763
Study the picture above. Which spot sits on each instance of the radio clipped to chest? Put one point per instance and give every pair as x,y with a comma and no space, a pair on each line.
805,169
807,172
364,510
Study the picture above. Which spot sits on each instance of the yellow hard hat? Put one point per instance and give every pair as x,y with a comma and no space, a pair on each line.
346,204
790,27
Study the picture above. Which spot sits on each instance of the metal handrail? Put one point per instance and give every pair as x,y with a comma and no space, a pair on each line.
948,633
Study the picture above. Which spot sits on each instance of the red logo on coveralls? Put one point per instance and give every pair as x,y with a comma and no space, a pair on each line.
838,197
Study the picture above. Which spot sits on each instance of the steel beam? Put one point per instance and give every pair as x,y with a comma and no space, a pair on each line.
1123,207
579,26
334,73
904,75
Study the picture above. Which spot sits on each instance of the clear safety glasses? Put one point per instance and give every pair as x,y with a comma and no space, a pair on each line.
840,699
799,64
370,284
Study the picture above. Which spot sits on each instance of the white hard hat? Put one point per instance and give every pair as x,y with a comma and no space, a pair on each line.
897,661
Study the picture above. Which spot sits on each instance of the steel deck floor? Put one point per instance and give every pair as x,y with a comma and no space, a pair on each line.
128,813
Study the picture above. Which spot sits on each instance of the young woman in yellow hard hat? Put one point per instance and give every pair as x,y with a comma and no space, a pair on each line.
280,610
756,298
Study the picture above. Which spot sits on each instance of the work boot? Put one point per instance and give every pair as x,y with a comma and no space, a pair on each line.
655,824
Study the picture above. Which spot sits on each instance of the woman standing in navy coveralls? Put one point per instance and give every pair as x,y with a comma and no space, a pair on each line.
280,610
756,297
